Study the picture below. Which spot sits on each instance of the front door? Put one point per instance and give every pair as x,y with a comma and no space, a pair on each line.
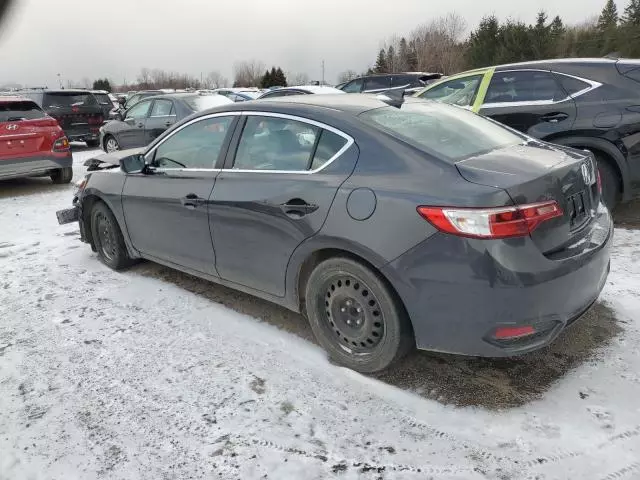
166,209
162,116
531,101
132,133
274,194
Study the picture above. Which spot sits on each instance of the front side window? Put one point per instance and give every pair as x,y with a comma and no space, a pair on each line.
523,86
139,110
22,110
197,145
272,143
443,131
459,91
162,108
354,86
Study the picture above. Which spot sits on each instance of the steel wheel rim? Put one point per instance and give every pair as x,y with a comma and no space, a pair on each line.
351,314
112,145
107,236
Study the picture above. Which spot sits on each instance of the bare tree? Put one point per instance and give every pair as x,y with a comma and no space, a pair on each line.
347,75
438,44
248,73
294,79
144,78
214,79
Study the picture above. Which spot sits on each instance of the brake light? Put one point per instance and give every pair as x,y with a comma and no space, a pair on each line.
61,145
500,222
508,333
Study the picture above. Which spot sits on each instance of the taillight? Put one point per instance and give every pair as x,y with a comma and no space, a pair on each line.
500,222
61,145
509,333
599,182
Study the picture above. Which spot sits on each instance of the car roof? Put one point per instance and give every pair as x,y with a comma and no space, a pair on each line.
14,98
319,89
556,61
55,90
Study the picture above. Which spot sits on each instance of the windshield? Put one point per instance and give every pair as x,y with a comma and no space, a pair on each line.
447,132
66,100
203,102
15,111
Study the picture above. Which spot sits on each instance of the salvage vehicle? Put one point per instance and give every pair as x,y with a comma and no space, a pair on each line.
77,111
147,119
300,90
402,223
410,82
583,103
31,142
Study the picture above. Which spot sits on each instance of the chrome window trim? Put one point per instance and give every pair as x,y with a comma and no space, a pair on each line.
162,116
348,138
592,86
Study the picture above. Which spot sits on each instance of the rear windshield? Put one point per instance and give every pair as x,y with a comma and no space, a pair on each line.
103,99
67,100
16,111
445,131
203,102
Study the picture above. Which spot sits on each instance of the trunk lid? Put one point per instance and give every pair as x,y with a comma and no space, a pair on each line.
78,113
25,130
537,172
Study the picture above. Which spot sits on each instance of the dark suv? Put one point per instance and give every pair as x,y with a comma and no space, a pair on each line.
77,112
410,82
591,104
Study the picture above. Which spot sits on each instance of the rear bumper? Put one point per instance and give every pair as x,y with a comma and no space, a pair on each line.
33,166
82,136
459,291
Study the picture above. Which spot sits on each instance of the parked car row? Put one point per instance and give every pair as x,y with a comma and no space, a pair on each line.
299,200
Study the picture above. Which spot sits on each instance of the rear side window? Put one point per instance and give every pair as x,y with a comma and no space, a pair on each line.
458,91
377,83
328,146
447,132
571,85
69,100
16,111
162,108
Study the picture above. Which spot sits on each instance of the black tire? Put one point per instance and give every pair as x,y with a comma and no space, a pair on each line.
62,175
108,239
110,139
374,333
92,143
610,183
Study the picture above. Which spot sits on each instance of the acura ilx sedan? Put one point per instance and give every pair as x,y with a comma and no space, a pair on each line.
388,223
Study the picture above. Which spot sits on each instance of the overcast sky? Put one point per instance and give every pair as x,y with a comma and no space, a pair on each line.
116,38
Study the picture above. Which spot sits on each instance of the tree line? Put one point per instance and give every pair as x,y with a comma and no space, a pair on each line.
441,46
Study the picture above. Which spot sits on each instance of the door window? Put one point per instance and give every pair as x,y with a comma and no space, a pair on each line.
138,111
197,145
572,85
162,108
354,86
377,83
523,86
272,143
458,91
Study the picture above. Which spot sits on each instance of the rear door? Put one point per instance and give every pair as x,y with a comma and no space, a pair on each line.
133,133
275,192
78,113
162,116
531,101
165,209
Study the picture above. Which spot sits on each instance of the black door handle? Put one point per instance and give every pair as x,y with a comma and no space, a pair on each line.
140,125
554,117
167,124
192,201
298,208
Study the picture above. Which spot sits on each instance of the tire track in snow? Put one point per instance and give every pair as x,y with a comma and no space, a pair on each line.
623,472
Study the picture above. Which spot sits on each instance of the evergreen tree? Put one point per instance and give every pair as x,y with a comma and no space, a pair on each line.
608,28
540,35
403,55
631,14
484,43
392,61
629,34
102,84
266,81
412,57
381,62
281,78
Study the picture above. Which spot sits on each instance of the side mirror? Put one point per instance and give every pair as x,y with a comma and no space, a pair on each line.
122,101
132,163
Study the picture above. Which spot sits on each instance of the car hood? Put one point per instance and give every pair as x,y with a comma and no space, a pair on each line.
113,158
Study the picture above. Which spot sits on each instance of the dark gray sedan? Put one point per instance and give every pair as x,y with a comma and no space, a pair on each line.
388,224
147,119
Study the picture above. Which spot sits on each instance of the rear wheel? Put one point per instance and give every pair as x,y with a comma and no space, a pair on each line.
92,143
610,182
108,239
62,175
356,317
111,144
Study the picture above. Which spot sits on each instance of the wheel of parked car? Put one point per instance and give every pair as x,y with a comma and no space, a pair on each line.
111,144
355,316
610,183
62,175
92,143
108,238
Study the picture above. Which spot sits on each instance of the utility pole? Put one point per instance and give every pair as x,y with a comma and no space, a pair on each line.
60,81
322,72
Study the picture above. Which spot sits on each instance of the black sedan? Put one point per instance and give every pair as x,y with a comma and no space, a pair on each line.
146,120
388,224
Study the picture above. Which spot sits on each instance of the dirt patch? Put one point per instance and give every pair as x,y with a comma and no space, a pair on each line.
449,379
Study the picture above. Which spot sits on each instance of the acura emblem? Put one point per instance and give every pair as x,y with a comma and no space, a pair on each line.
12,126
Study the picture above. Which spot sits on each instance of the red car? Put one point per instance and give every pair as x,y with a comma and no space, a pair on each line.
32,143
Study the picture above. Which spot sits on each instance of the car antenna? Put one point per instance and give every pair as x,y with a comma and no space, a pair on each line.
393,97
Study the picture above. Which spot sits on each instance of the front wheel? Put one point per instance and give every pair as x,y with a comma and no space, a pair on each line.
356,317
108,239
62,175
111,144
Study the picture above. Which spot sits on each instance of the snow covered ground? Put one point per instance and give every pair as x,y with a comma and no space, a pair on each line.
130,376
